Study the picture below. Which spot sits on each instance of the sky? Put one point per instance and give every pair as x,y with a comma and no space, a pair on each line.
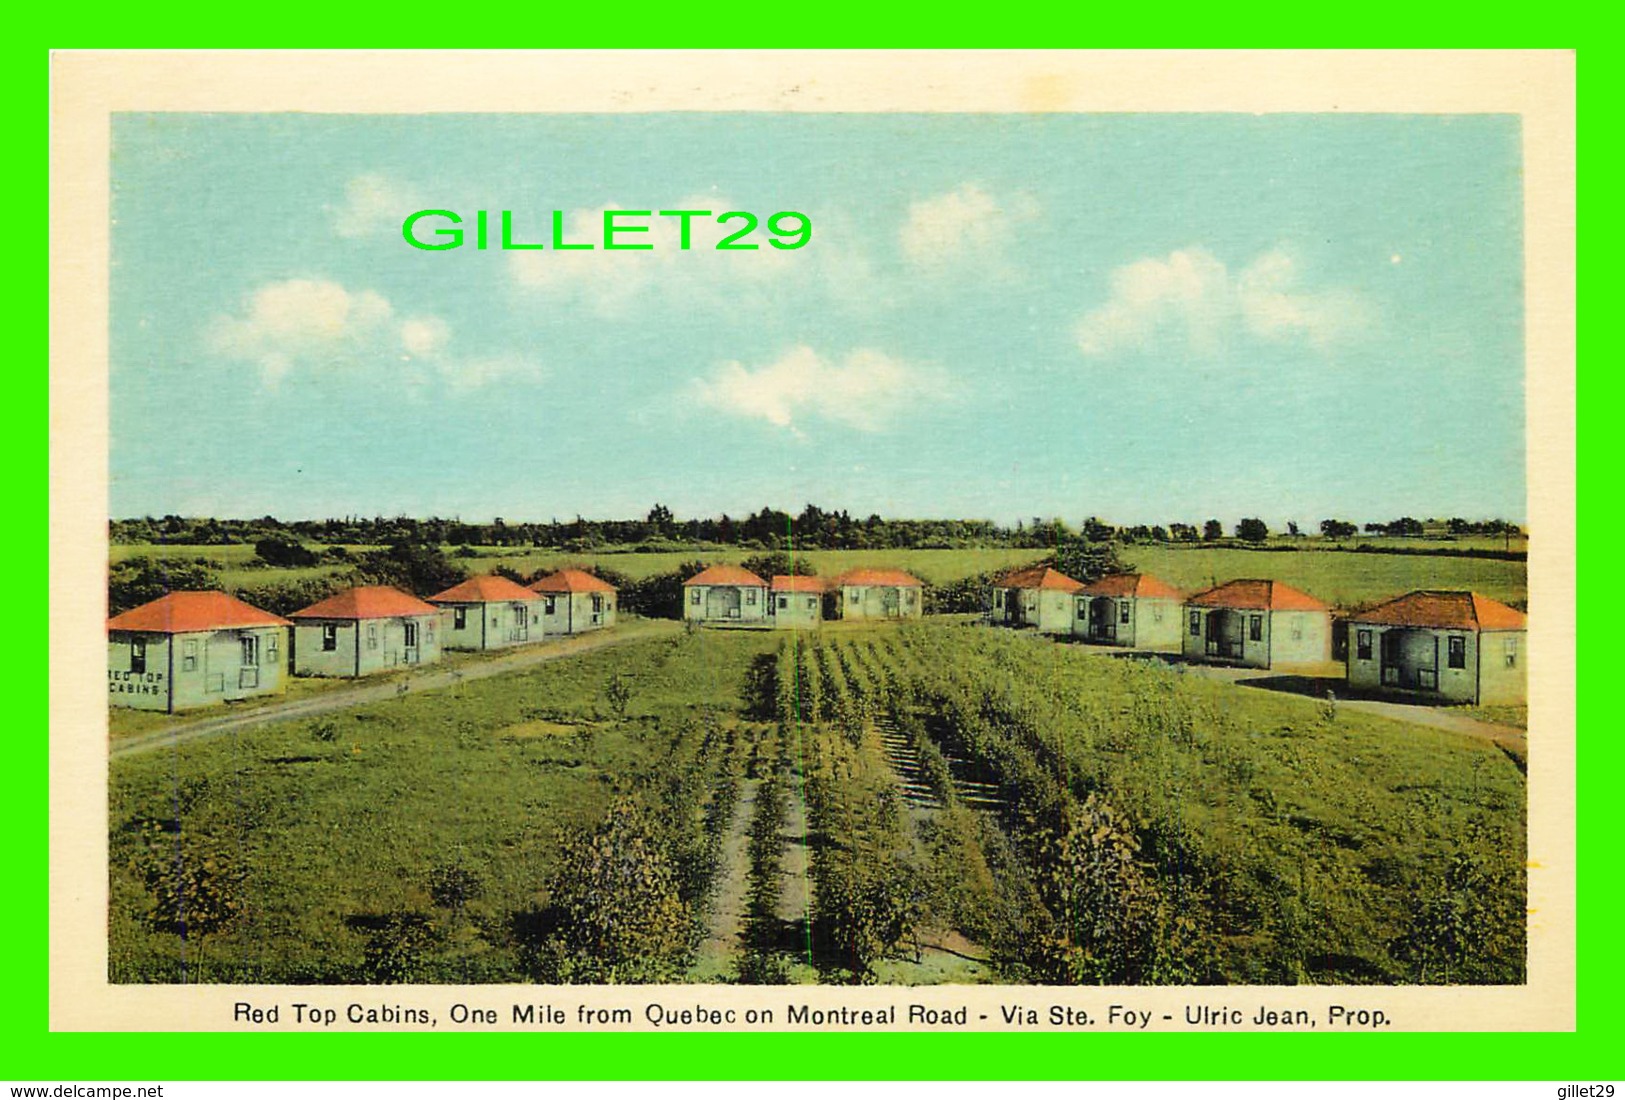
1146,318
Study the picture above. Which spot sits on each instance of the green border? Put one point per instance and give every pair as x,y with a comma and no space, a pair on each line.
35,1053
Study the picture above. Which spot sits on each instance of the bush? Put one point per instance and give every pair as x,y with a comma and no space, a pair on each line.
283,553
452,886
196,883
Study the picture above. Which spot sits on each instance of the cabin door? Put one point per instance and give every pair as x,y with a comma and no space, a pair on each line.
409,645
248,675
1103,619
521,623
891,603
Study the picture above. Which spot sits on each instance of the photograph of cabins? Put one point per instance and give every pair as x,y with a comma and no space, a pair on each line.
1096,555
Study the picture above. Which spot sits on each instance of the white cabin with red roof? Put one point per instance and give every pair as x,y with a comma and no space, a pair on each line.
1455,646
725,594
193,649
1257,624
878,594
1037,597
364,631
796,601
1132,610
574,601
488,612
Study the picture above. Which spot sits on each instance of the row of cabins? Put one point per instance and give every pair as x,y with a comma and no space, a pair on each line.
190,649
1454,646
729,594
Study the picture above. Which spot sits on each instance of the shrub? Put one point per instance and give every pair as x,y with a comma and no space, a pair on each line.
196,883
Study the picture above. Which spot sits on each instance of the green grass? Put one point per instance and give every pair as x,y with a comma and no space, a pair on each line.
1340,579
488,776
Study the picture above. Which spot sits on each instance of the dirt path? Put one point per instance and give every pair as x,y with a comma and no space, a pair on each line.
795,900
430,679
717,958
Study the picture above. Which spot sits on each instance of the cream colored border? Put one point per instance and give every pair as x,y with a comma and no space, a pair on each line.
88,86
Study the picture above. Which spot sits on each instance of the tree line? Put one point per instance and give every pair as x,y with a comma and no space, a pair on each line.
814,528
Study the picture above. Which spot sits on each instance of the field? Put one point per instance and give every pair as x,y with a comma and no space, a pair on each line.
1343,579
918,804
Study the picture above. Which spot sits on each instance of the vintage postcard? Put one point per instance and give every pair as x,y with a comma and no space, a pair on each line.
813,541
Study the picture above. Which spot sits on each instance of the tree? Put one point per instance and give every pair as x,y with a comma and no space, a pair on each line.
415,567
1292,528
1086,561
1338,528
620,918
284,552
1212,531
778,563
1252,530
135,581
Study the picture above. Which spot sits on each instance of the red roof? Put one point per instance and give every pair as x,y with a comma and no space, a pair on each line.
571,580
782,583
1039,576
1257,595
726,574
883,577
189,612
369,602
1142,585
485,588
1446,610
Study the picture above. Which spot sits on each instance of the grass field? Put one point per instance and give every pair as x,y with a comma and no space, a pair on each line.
1341,579
1290,841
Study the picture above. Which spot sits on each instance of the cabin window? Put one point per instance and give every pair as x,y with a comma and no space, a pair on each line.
552,605
330,637
1156,613
1297,629
1255,627
459,618
1458,652
784,603
1124,609
428,632
1362,645
812,603
750,596
372,635
597,604
189,655
270,649
1196,624
694,599
998,597
1512,652
251,650
411,629
138,655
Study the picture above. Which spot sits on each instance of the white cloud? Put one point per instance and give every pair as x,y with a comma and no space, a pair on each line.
867,389
963,225
318,325
373,204
1191,298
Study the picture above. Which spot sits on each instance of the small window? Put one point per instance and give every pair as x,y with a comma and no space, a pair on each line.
271,647
694,598
1255,627
372,635
1362,645
750,596
1512,651
189,655
428,632
998,597
552,604
1196,624
330,637
597,603
1124,610
1458,651
459,618
1297,629
138,655
1156,613
251,650
784,603
1083,609
812,603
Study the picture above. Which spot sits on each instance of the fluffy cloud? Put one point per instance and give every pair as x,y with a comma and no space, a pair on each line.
1191,298
318,324
965,224
866,390
373,204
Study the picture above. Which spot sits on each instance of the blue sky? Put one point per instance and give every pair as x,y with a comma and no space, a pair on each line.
1142,317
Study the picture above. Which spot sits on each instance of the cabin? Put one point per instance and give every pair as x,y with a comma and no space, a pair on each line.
878,594
364,631
796,601
1456,647
574,602
194,649
488,612
1037,597
725,594
1257,624
1132,610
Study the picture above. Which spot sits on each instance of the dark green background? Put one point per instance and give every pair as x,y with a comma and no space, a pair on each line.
31,1052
